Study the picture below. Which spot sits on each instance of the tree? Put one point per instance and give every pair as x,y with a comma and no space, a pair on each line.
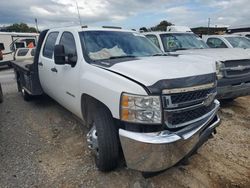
162,26
144,29
22,27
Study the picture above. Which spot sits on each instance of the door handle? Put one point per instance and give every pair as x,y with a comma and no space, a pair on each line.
53,69
40,64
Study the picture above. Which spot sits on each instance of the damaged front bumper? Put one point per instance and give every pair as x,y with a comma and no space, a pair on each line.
233,91
152,152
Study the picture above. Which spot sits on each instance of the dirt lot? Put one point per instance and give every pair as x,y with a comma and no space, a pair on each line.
43,145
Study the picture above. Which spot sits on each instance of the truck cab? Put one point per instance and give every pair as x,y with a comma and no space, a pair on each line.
233,65
128,93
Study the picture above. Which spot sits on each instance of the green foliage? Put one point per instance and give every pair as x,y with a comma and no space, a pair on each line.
22,27
162,26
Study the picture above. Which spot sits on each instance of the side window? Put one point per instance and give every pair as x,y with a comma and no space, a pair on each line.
2,46
31,43
216,43
153,39
68,41
22,52
20,45
48,49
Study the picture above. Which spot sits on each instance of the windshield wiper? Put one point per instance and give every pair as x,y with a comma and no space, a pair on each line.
160,54
181,49
122,56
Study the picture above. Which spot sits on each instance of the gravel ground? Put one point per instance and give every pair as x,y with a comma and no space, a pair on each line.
43,145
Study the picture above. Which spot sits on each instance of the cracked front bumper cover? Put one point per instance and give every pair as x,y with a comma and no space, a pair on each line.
152,152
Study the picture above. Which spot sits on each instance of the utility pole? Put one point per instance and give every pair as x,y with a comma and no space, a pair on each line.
36,26
79,17
208,26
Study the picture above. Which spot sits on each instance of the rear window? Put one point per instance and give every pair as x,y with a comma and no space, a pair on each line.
22,52
48,49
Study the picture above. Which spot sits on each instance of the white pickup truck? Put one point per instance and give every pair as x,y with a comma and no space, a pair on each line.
233,65
227,41
159,109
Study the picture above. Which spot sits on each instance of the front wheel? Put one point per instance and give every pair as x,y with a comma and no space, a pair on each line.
103,140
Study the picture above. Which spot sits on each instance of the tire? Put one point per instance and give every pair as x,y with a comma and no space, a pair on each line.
107,156
26,96
1,94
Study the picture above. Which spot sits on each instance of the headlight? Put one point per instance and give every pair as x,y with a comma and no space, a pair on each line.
219,73
140,109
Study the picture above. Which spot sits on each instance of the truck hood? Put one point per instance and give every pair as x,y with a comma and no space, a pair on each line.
219,54
149,70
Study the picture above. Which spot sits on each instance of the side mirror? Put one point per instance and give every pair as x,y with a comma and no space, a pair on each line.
59,55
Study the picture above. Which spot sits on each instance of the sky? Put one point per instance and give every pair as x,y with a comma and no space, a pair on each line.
130,14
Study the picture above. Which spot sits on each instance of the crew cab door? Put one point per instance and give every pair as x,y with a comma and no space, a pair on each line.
46,65
67,76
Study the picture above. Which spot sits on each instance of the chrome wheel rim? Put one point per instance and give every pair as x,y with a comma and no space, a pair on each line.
92,140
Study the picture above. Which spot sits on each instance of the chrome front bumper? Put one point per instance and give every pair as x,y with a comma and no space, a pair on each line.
152,152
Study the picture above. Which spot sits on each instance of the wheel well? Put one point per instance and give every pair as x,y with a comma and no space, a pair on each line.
88,105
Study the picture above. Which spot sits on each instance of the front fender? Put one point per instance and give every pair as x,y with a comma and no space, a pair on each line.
106,87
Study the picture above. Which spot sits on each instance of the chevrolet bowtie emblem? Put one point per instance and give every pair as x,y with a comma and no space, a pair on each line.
209,99
240,68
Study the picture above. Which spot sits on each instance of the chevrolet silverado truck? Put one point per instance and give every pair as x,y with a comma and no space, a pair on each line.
233,65
155,108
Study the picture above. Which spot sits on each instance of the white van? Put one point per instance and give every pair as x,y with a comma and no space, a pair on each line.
10,41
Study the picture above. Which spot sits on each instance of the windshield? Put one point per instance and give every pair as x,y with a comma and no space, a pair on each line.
103,45
239,42
182,41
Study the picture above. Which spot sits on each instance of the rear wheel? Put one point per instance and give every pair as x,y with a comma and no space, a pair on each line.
103,140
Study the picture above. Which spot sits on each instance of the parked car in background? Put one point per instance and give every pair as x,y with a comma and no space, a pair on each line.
24,54
226,41
241,30
160,108
243,34
233,64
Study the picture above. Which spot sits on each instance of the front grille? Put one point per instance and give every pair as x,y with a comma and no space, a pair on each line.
237,68
237,73
181,109
235,63
179,119
178,100
191,96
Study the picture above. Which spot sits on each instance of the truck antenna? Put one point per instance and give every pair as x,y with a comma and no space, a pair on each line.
36,25
79,17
